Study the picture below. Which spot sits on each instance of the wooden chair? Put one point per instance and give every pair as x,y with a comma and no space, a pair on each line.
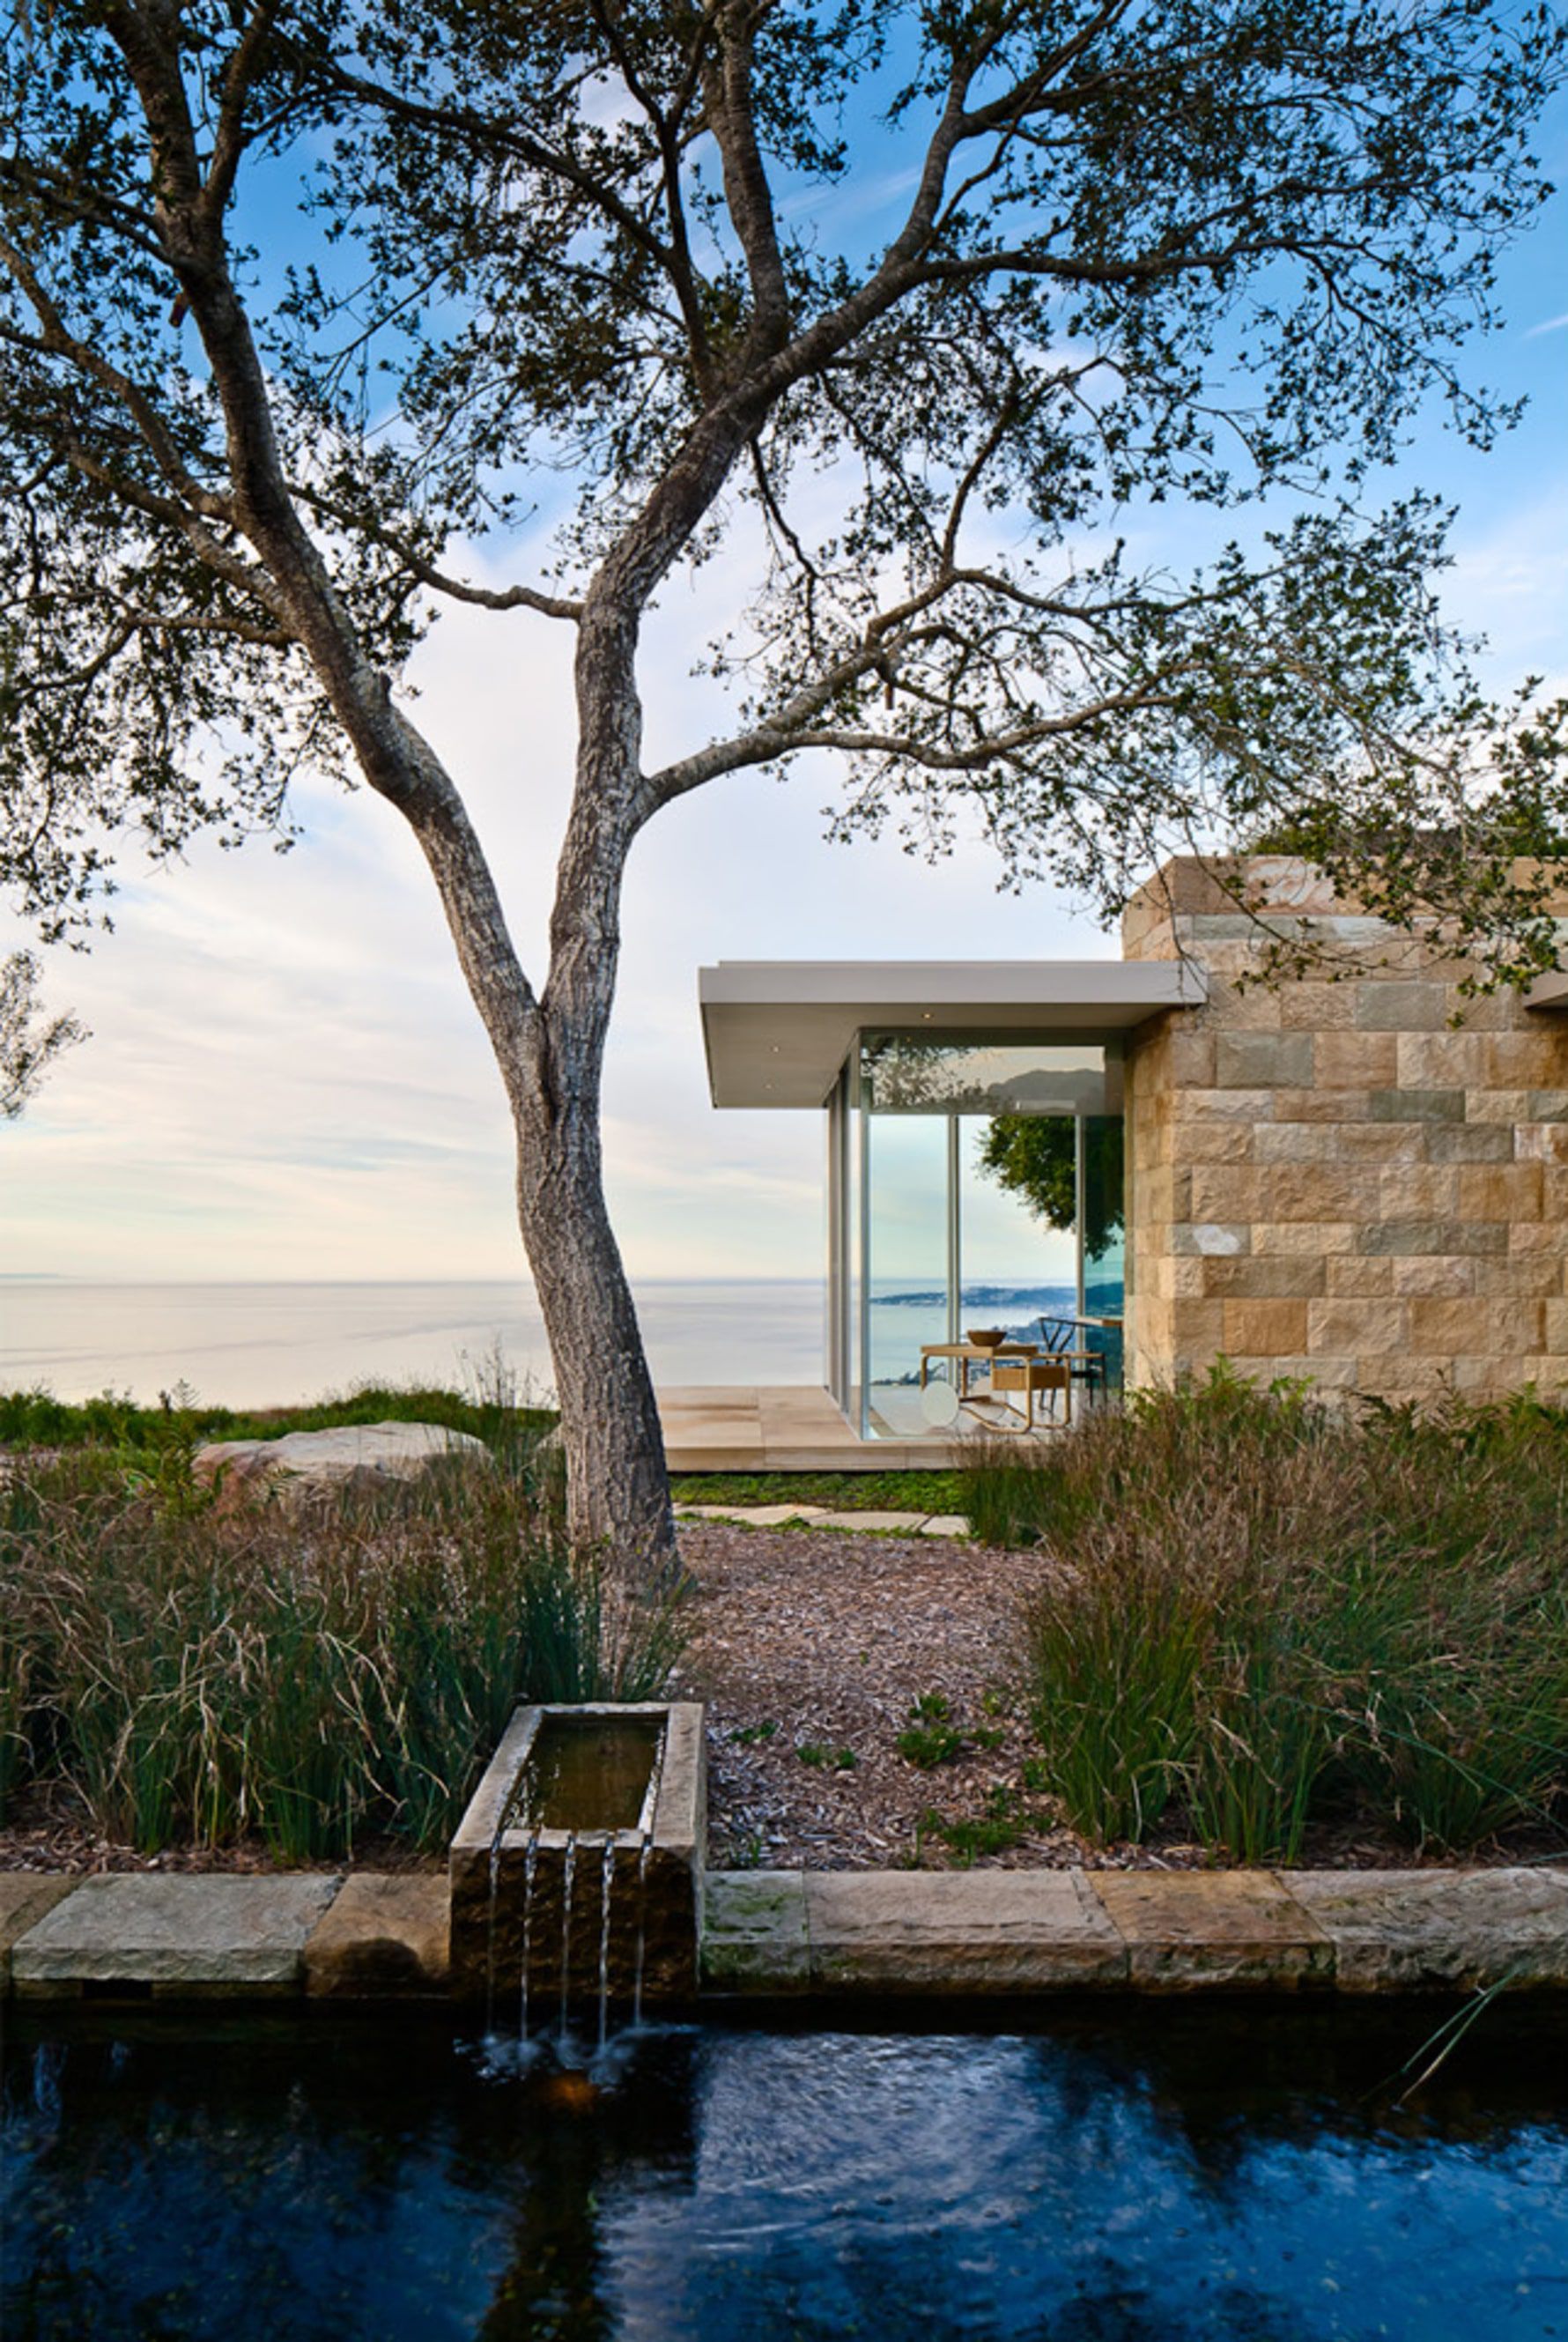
1021,1377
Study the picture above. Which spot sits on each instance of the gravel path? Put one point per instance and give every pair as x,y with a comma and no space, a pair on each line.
812,1649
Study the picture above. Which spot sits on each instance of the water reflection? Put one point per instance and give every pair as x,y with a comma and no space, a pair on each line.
1121,2175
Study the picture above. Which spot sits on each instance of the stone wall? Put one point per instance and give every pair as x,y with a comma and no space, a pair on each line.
1327,1176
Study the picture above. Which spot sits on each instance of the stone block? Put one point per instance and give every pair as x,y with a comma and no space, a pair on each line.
25,1897
184,1936
1500,1191
385,1935
1007,1931
1418,1191
1548,1235
1521,1276
1206,1929
1358,1277
1314,1007
1317,1191
1435,1275
1211,1239
1320,1106
1450,1931
1469,1142
514,1882
1554,1328
1399,1005
1358,1329
1191,1061
1484,1328
1498,1106
1540,1142
1287,1276
1402,1237
1203,1137
1245,1061
1415,1106
1388,1142
1296,1142
754,1937
1548,1106
1404,1380
1440,1060
1264,1329
947,1525
1233,1106
1325,1374
1356,1061
1535,1059
1316,1239
1224,1194
1244,1008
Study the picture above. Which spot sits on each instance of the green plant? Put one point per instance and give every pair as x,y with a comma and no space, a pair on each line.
973,1837
1269,1612
202,1674
929,1738
831,1760
747,1736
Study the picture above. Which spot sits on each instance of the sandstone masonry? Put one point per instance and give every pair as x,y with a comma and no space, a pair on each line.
1359,1176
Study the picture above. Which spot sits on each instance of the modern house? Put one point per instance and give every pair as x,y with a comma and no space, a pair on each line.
1359,1176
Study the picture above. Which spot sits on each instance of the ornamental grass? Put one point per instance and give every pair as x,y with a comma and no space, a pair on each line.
199,1676
1268,1613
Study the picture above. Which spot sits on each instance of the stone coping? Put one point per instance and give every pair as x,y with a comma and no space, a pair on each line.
982,1932
996,1932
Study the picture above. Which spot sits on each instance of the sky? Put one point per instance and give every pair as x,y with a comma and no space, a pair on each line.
286,1078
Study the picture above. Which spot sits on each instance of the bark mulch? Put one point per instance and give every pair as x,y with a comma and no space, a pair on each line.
812,1649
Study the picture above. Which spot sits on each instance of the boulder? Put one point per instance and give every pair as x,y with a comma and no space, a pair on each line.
356,1460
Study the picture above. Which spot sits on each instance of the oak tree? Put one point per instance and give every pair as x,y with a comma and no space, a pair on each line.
913,311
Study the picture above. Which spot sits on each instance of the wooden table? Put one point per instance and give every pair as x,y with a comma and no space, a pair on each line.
1021,1354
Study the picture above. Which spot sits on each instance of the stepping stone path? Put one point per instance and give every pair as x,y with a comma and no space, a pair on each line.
818,1517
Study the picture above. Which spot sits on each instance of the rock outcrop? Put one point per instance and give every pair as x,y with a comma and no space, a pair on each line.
355,1460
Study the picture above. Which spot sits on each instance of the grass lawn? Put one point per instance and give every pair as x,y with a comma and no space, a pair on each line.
838,1492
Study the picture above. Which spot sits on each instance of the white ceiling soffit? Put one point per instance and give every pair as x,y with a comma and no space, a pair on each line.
777,1031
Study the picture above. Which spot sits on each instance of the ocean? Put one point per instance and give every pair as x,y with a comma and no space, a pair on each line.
253,1345
278,1345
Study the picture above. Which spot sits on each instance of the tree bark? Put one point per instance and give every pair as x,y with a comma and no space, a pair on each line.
617,1491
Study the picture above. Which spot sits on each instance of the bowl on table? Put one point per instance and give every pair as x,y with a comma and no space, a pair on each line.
986,1338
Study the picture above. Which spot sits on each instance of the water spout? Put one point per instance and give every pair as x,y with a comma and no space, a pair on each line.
569,1864
607,1886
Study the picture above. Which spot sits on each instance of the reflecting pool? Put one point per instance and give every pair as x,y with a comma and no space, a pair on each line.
1116,2174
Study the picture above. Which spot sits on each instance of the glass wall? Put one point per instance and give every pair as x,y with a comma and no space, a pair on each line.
980,1185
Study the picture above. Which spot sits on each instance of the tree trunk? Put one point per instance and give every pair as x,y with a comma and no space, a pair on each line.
617,1491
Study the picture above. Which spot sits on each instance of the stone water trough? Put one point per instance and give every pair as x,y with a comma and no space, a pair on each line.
578,1864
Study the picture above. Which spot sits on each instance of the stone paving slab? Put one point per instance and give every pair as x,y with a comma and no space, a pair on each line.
959,1931
25,1896
754,1937
945,1525
1194,1930
755,1516
185,1937
910,1523
1408,1930
386,1935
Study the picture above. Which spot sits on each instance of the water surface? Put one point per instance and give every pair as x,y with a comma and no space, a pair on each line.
1118,2175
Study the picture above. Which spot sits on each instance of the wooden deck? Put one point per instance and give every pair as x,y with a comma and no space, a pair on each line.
784,1427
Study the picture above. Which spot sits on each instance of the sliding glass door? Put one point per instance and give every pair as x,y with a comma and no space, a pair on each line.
974,1173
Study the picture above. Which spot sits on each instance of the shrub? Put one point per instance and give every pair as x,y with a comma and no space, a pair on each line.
201,1675
1271,1612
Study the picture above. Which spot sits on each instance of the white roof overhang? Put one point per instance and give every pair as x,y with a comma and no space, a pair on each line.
777,1031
